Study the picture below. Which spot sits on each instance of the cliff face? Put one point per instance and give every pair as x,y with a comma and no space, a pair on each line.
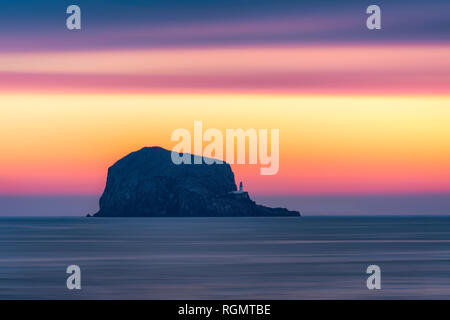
146,183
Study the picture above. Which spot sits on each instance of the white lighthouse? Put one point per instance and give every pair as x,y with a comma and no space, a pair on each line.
240,193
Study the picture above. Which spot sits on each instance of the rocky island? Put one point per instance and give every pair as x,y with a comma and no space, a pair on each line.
146,183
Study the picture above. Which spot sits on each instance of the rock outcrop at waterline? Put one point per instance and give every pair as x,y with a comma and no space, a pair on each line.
146,183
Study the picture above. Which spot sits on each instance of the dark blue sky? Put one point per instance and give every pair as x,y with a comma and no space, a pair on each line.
40,25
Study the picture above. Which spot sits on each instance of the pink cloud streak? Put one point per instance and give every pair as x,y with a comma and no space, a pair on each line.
322,69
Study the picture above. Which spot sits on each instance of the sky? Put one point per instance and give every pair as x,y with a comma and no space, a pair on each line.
359,111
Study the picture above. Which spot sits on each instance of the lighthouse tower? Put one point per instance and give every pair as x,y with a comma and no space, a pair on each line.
240,193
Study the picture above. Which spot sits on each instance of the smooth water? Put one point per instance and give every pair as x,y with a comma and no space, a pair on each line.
225,258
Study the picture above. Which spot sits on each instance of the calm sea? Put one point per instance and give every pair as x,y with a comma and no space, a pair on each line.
225,258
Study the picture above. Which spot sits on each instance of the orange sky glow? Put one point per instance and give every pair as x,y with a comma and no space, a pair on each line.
354,119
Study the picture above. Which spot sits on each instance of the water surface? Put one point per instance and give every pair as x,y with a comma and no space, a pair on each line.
225,258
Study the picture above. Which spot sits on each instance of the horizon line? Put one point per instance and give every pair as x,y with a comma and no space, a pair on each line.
362,194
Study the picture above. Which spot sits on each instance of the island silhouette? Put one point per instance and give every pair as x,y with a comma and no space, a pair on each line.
146,183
